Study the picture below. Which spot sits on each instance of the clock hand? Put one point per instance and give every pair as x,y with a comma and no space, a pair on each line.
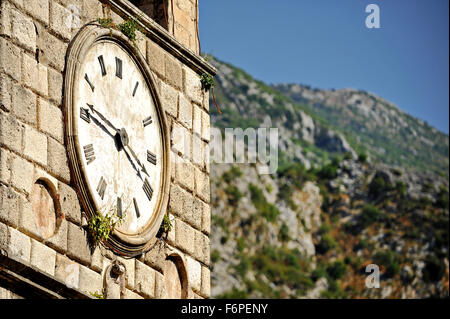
100,125
132,164
137,160
104,119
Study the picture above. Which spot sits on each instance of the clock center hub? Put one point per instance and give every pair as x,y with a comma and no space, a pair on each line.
122,139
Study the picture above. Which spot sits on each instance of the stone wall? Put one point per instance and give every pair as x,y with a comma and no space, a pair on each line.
34,37
179,17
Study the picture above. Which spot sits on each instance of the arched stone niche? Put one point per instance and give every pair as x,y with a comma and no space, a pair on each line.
175,278
114,280
46,207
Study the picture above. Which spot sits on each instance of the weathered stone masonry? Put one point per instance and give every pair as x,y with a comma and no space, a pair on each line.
43,243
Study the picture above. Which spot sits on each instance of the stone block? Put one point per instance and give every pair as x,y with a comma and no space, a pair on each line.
181,140
173,71
202,247
97,260
194,271
5,172
92,10
43,257
176,199
155,256
34,75
90,282
205,103
185,236
202,186
23,30
55,85
198,151
206,219
5,93
52,50
38,9
184,173
196,217
51,120
9,206
3,237
192,85
19,244
206,126
27,223
57,160
22,173
197,121
160,286
24,104
129,294
35,145
155,58
61,20
59,240
67,271
145,280
169,99
185,111
206,282
70,206
77,244
11,132
5,19
9,59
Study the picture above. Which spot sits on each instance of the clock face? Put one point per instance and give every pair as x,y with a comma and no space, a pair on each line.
120,142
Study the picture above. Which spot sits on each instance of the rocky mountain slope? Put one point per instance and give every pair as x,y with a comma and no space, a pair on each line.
332,208
376,126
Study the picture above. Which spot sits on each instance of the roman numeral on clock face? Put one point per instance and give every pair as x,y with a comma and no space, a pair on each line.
119,206
148,189
135,88
151,157
147,121
86,77
89,153
101,188
84,114
102,64
136,208
119,68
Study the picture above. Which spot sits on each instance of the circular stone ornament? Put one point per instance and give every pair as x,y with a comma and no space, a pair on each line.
117,136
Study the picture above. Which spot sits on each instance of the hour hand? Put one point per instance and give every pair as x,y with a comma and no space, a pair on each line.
104,119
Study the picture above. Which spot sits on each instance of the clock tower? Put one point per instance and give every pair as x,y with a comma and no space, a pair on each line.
104,133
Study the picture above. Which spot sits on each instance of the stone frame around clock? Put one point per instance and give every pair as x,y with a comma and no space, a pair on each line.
126,245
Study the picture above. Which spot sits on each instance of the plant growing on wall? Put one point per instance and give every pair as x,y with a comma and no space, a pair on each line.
101,226
208,84
129,27
166,227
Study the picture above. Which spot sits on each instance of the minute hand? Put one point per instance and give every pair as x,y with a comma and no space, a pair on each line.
137,159
104,119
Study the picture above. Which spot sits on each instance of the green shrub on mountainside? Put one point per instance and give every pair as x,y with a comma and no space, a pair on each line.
269,211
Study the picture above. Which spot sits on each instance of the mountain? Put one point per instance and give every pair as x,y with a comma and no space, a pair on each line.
337,202
376,126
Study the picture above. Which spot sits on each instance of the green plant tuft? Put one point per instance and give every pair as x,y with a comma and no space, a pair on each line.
166,225
101,226
207,81
97,295
129,28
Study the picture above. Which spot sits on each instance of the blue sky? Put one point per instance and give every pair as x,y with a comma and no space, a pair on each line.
325,44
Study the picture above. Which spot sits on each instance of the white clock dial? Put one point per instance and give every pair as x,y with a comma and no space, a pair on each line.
119,135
